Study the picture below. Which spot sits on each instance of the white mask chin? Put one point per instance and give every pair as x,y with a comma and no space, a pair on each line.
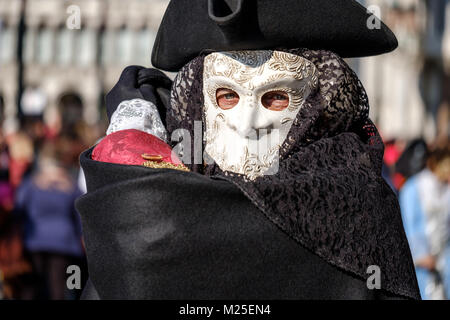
246,138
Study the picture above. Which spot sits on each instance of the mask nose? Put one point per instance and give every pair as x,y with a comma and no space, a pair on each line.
248,120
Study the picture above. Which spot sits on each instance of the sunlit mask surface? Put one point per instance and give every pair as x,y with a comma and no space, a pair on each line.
251,101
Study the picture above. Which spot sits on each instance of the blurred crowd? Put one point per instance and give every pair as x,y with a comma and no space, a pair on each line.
40,230
420,174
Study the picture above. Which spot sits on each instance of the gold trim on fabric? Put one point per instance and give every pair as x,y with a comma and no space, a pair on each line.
164,165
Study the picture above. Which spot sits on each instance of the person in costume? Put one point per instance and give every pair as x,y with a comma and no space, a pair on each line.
425,204
256,174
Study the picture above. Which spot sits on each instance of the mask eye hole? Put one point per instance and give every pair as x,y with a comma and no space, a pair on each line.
226,98
275,100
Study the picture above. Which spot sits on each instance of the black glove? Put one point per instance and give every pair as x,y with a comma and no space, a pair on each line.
140,83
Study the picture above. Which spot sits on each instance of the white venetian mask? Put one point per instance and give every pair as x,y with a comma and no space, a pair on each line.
251,101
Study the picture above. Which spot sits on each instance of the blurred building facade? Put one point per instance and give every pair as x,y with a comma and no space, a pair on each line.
408,89
71,64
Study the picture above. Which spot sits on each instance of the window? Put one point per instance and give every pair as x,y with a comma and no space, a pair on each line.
29,52
107,44
86,50
144,46
45,45
65,46
124,46
7,44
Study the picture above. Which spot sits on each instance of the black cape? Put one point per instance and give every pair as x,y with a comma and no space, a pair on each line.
166,234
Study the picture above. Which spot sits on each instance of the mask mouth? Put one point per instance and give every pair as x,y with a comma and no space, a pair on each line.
254,134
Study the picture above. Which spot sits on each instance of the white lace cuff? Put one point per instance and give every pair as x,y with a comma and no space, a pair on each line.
140,115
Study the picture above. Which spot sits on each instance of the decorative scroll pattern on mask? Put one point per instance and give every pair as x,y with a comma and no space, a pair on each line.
243,66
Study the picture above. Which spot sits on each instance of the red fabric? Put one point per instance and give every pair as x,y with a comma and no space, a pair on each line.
17,168
391,154
128,146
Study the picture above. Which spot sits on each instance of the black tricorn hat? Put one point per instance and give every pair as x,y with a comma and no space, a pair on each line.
190,27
